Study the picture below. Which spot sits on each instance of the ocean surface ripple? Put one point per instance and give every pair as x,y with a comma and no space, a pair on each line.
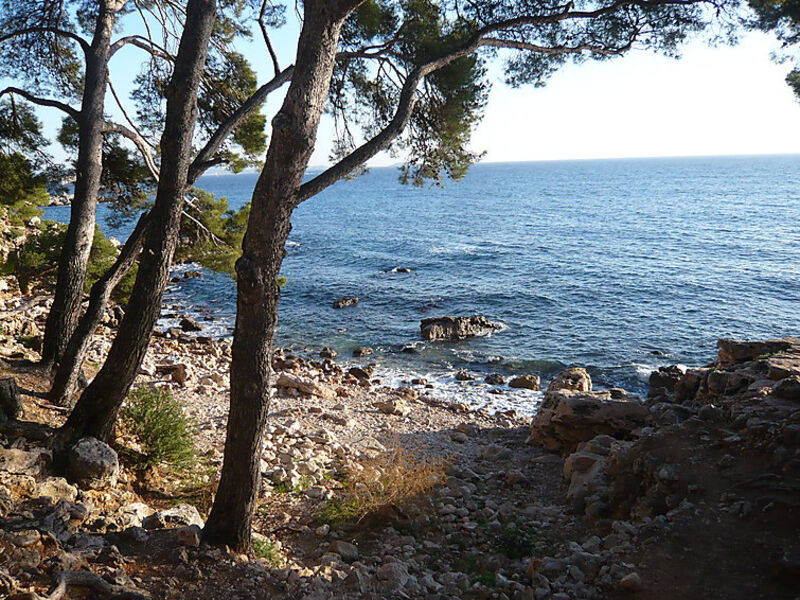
617,265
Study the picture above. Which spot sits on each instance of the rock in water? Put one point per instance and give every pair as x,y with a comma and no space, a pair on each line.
345,302
189,324
525,382
456,328
92,464
10,402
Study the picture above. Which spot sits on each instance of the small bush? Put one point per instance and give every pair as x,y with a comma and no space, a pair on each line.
265,549
387,480
164,432
521,542
35,261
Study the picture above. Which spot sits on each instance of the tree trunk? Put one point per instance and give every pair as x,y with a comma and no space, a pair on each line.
294,132
63,315
68,372
96,411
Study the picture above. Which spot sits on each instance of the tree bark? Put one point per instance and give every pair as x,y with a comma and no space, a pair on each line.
294,132
96,411
65,382
63,315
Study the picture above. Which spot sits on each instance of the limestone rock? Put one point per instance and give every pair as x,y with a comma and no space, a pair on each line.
732,352
180,514
494,379
574,378
393,407
92,464
788,388
23,462
525,382
348,551
569,417
456,328
305,385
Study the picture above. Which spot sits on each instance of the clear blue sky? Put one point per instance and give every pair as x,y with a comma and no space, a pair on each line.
724,100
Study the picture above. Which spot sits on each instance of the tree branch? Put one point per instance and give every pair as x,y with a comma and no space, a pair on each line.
145,44
204,158
408,93
265,34
85,46
139,142
72,112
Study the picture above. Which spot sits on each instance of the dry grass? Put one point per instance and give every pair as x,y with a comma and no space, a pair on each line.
389,479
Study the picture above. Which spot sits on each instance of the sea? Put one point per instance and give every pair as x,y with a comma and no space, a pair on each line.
619,266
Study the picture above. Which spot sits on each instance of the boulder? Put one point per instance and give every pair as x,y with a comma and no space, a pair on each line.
345,302
180,515
463,375
456,328
494,379
525,382
568,417
189,324
92,464
788,388
362,351
574,378
178,372
360,373
393,407
305,385
348,551
732,352
666,378
23,462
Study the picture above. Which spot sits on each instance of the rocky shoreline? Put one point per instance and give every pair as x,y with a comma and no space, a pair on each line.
692,493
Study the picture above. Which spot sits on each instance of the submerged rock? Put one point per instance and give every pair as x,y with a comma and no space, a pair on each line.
456,328
345,302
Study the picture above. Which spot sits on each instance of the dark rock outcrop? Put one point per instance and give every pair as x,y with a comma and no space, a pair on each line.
456,328
345,302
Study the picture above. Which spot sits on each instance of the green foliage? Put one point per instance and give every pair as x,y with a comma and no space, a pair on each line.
21,191
781,17
164,432
20,129
227,226
35,261
126,182
517,542
263,548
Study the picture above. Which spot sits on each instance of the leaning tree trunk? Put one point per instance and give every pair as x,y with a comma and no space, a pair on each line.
67,374
294,131
96,411
63,315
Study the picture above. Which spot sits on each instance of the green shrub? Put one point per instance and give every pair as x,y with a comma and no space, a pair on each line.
22,192
265,549
35,261
165,433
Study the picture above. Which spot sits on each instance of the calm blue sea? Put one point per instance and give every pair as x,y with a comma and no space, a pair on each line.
617,265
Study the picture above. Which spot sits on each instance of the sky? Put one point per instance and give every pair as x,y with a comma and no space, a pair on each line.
712,101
